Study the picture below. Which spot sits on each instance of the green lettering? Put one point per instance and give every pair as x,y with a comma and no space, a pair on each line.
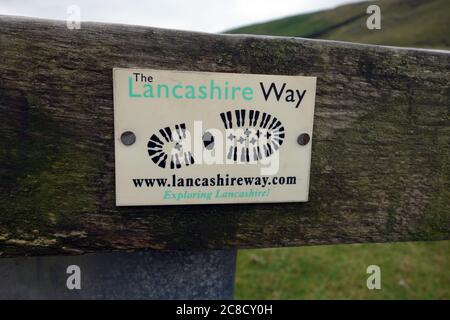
148,93
247,93
130,89
166,89
190,92
174,91
233,94
202,92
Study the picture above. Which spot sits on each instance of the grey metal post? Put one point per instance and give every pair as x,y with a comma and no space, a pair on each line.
122,275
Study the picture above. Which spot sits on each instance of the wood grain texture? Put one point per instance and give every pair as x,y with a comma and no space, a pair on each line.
380,159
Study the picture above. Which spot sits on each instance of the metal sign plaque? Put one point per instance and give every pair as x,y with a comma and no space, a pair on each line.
203,138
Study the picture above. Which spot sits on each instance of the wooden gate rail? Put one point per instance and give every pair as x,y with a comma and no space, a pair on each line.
380,158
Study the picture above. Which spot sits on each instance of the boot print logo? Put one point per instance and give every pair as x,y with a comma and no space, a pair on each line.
248,136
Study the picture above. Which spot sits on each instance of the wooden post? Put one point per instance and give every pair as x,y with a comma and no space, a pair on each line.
121,275
380,164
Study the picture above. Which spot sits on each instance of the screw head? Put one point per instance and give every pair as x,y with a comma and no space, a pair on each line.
303,139
128,138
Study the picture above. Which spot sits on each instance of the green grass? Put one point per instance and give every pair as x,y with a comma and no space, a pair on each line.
410,23
419,270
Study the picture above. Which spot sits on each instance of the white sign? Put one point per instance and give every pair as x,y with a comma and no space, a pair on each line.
203,137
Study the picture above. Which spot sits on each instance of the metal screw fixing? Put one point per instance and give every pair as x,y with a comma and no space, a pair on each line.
128,138
303,139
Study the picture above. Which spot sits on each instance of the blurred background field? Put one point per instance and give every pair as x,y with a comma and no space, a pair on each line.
409,270
407,23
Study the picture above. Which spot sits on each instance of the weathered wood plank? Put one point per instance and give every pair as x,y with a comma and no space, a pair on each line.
380,161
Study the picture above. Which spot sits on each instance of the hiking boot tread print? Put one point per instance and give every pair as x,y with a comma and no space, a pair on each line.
252,135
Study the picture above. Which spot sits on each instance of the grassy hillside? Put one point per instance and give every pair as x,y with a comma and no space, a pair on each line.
410,23
409,270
